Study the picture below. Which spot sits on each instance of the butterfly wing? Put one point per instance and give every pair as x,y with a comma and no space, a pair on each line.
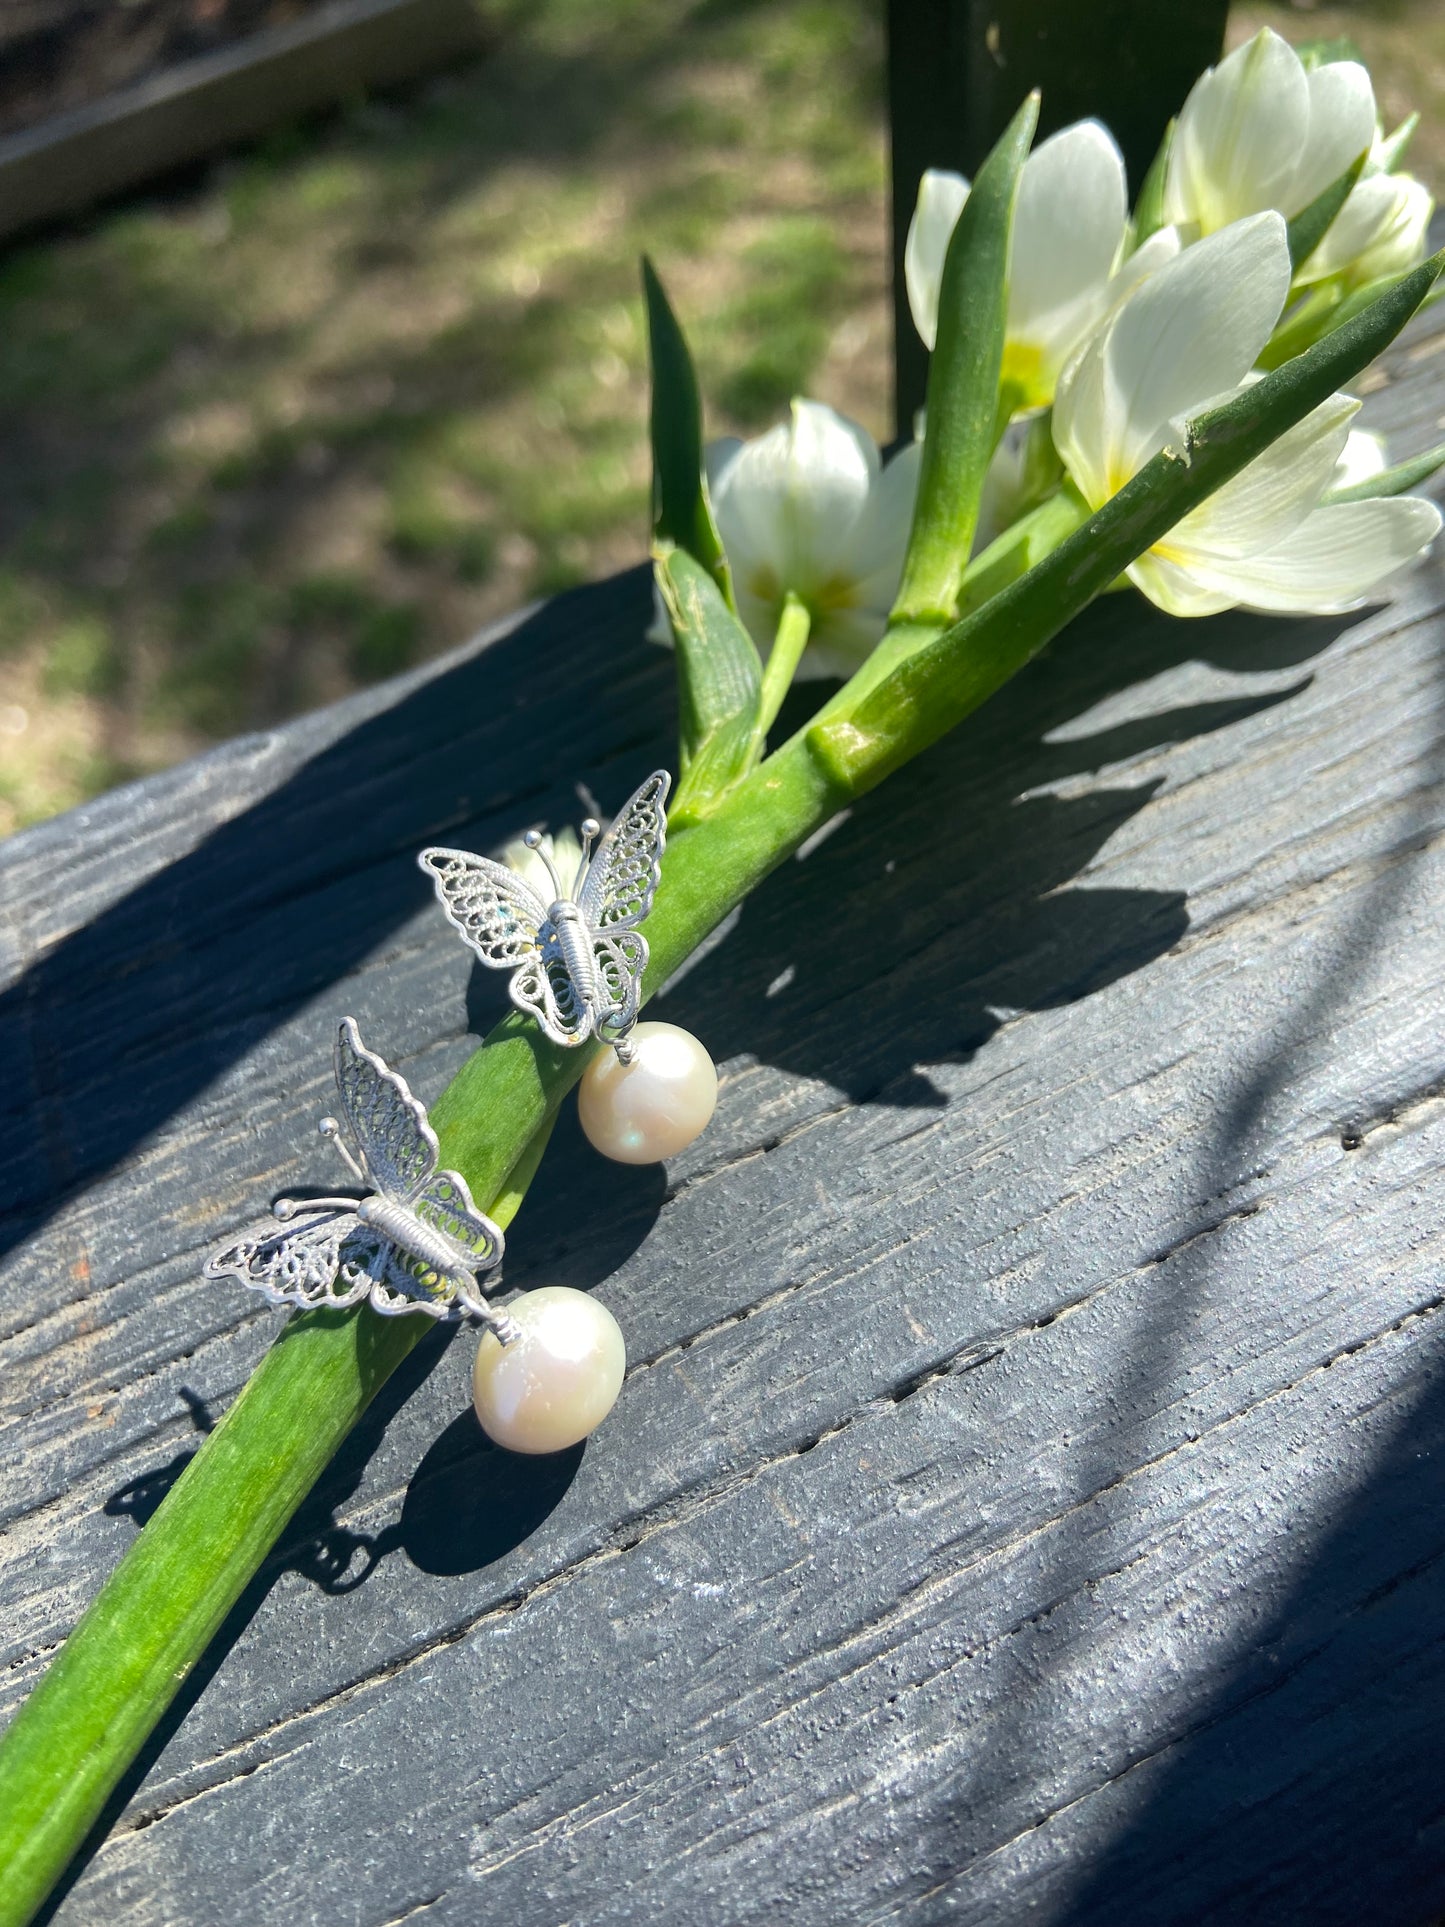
405,1283
401,1283
398,1145
543,988
321,1260
621,958
622,878
497,913
446,1205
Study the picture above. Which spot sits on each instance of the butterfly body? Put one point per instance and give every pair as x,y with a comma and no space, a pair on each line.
577,963
428,1246
413,1242
566,937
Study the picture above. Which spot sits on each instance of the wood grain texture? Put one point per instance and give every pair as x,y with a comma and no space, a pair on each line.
1028,1494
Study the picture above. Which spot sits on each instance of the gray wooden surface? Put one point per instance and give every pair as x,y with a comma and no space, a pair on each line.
1027,1499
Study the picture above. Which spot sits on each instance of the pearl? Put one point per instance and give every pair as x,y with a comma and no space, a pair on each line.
655,1105
557,1380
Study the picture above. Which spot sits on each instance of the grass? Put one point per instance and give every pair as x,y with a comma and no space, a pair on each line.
335,402
332,404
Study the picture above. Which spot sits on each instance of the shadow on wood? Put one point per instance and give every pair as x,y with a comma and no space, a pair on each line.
1291,1734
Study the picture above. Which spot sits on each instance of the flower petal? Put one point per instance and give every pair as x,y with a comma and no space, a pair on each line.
1085,407
840,642
1342,127
1174,589
1240,135
1270,497
1333,560
786,504
1380,229
1192,331
940,202
1151,255
1068,229
1080,418
882,530
1363,455
718,457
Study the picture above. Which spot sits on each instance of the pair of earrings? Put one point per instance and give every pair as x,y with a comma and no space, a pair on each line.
549,1367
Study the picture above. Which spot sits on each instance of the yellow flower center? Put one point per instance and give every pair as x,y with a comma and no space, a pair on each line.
1024,373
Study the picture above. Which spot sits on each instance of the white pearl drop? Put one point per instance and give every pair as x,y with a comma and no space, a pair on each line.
557,1380
656,1105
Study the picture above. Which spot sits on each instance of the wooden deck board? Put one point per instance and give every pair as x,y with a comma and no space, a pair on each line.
1026,1496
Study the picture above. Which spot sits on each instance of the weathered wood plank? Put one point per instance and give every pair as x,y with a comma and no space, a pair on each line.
1024,1493
200,106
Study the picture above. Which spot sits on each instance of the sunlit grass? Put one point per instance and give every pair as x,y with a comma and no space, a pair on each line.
331,407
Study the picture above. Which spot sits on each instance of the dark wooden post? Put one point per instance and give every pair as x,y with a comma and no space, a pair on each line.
957,69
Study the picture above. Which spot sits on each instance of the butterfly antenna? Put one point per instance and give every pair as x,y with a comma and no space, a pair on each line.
533,841
287,1208
591,828
330,1129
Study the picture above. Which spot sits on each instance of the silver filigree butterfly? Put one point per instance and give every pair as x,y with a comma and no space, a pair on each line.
413,1242
577,964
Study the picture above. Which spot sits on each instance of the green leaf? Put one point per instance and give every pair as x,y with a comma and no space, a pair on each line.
1307,321
1398,480
1310,225
963,381
859,742
1326,308
719,686
681,512
1149,208
1391,151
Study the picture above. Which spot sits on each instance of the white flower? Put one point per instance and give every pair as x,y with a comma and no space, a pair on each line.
1258,131
809,507
1381,229
1068,237
1186,338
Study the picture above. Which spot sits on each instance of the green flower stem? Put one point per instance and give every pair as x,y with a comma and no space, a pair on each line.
1016,551
791,639
76,1735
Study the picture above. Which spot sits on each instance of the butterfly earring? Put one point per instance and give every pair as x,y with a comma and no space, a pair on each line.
577,968
549,1367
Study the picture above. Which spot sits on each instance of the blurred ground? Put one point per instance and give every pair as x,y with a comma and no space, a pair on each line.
326,408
